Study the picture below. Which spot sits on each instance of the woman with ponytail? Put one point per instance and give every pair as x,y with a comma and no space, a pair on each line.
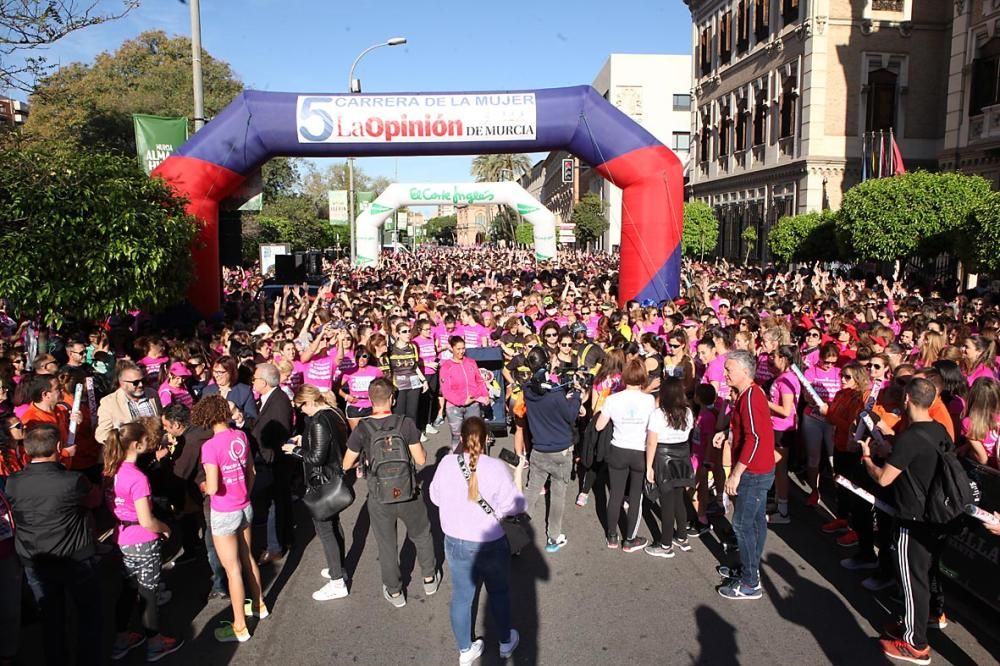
465,486
980,357
139,541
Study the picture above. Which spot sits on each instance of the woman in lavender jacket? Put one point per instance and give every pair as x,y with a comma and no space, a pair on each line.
474,543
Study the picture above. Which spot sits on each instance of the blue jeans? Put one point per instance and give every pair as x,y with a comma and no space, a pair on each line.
456,415
49,581
470,564
750,522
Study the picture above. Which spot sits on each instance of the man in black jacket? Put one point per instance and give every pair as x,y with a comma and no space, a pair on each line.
56,546
273,488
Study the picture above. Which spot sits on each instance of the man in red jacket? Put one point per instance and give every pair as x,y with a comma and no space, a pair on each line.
751,476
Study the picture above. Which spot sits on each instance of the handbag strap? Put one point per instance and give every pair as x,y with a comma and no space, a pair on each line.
483,504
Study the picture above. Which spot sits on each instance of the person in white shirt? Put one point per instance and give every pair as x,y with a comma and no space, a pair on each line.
629,412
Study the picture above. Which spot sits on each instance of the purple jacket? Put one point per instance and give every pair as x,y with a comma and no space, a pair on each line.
462,518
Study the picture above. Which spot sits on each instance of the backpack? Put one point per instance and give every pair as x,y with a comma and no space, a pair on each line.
950,489
393,475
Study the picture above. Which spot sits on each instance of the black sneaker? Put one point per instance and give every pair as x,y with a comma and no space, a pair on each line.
682,545
697,529
632,545
613,542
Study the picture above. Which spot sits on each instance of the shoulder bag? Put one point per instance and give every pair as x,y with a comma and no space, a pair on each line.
513,526
327,493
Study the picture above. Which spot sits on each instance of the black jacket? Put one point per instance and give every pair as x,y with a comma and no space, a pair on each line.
187,460
50,511
324,442
273,426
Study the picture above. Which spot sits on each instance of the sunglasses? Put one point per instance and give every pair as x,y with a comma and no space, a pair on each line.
133,382
565,344
812,335
675,346
403,331
877,367
16,426
552,335
363,357
846,378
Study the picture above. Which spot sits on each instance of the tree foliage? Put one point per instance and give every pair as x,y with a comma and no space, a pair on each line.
441,229
805,237
589,221
749,237
496,168
315,183
916,213
85,234
524,234
292,219
91,106
701,229
28,26
979,243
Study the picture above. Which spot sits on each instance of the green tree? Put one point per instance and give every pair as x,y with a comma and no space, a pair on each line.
589,221
91,106
441,229
88,234
979,243
917,213
749,237
701,230
291,219
805,237
316,182
28,26
524,234
504,224
496,168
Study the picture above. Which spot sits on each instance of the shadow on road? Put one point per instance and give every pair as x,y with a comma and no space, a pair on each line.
717,639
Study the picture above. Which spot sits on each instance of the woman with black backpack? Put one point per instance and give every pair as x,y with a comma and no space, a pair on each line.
321,447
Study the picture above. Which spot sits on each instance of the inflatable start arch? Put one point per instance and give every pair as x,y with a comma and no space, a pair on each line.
259,125
419,194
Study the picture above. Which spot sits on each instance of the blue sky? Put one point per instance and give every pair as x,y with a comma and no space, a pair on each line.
308,46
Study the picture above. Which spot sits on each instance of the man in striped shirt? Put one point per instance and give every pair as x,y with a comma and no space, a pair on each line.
751,476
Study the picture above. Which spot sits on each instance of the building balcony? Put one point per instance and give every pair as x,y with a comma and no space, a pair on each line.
786,146
741,158
986,126
758,153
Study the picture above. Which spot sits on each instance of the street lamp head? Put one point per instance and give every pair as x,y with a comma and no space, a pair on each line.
396,41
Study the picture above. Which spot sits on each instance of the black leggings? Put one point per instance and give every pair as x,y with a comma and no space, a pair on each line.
331,536
589,476
625,467
407,402
428,403
673,514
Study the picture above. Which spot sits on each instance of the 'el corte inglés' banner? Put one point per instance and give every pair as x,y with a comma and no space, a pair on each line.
417,118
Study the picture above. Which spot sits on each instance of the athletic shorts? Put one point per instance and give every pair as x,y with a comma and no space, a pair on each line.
228,523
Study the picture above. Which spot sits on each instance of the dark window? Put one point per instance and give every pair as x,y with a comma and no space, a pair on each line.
985,76
705,50
788,97
789,11
724,125
881,100
706,143
741,127
682,102
762,19
726,37
742,26
682,141
760,123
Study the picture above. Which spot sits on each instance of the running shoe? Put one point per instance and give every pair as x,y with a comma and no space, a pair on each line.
682,545
398,601
431,586
260,613
157,650
227,634
726,572
612,542
848,539
438,422
554,545
779,519
431,430
126,643
659,550
903,651
937,621
507,649
698,528
858,563
835,526
737,590
813,498
632,545
581,499
335,589
466,657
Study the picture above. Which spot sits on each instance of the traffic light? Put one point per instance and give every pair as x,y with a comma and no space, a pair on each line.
567,170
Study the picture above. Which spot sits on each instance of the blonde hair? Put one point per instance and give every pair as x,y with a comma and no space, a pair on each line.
934,342
309,393
473,442
983,408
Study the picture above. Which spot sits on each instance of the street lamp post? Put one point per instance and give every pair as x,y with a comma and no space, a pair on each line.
353,87
199,101
513,178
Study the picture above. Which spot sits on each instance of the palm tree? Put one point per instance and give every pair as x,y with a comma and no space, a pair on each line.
494,168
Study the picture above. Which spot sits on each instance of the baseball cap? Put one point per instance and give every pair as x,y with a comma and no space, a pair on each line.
178,369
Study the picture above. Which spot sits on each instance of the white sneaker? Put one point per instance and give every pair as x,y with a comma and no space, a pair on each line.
423,438
335,589
325,573
469,656
507,649
431,430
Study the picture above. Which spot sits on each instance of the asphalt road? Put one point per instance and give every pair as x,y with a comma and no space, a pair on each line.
582,605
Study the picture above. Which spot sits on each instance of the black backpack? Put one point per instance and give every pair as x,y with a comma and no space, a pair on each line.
950,489
393,476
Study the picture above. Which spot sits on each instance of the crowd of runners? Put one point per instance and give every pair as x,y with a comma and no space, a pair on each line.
133,438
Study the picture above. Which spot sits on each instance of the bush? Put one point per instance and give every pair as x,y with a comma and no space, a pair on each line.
805,237
979,244
524,234
916,213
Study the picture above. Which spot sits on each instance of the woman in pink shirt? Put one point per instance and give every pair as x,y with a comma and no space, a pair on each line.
817,433
427,350
982,422
354,388
138,537
175,389
980,358
783,400
229,477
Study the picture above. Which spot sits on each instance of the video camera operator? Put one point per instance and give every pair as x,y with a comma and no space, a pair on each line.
552,410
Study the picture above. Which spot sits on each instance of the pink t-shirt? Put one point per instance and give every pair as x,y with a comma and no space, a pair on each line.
826,383
716,373
319,372
428,353
474,334
229,450
981,371
130,485
357,383
169,394
785,384
441,335
764,372
989,442
153,365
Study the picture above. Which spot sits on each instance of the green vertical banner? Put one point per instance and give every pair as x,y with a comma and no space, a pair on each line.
362,200
156,138
338,207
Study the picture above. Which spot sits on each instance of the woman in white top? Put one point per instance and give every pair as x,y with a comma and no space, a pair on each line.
668,464
629,412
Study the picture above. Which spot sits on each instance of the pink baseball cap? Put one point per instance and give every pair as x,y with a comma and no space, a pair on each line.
178,369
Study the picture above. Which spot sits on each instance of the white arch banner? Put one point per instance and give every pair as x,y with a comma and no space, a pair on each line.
423,194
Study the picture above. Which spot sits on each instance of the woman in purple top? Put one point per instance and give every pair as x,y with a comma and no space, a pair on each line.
139,541
474,542
229,477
